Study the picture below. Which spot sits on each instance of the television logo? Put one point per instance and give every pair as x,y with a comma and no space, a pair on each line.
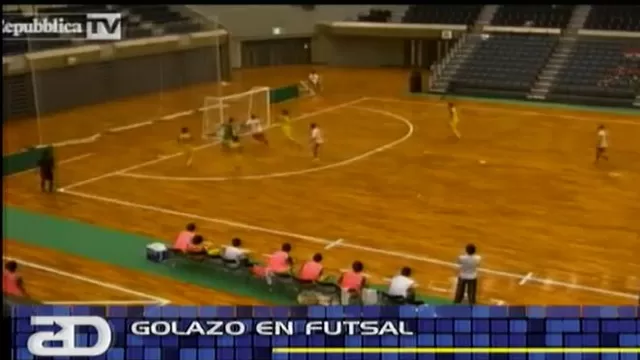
105,26
93,26
67,336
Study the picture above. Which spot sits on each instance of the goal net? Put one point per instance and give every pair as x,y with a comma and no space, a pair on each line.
239,106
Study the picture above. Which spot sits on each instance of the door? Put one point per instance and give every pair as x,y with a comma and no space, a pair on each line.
408,55
293,51
429,52
255,53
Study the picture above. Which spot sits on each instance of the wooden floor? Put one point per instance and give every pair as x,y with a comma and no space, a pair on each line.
59,278
393,188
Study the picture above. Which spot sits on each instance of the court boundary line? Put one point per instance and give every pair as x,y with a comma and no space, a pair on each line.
348,161
204,146
345,244
509,110
153,300
122,128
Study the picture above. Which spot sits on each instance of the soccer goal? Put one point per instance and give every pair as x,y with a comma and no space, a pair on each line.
239,106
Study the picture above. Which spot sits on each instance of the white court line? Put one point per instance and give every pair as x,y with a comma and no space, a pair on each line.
204,146
178,115
439,289
405,137
75,158
61,162
333,244
514,111
155,299
349,245
525,278
130,126
137,125
85,140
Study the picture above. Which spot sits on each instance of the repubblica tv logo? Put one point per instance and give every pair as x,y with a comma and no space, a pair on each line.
95,26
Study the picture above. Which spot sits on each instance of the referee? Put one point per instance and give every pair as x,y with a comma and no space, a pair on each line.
467,275
46,164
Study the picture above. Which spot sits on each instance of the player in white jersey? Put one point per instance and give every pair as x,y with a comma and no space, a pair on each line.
602,143
313,81
255,127
316,139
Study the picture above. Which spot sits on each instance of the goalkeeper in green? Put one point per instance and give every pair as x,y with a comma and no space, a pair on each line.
230,139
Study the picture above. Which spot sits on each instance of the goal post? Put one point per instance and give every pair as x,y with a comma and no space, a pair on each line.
240,106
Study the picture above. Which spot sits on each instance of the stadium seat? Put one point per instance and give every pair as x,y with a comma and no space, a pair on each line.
592,71
181,27
614,17
442,14
376,15
508,64
546,16
74,9
157,14
137,32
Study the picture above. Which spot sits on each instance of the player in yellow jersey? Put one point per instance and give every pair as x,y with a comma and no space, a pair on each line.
185,138
454,120
285,124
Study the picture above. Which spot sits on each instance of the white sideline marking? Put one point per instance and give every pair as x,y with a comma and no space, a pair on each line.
117,129
498,302
85,140
439,289
525,278
156,300
204,146
75,158
178,114
405,137
203,108
344,245
514,111
61,162
335,243
130,126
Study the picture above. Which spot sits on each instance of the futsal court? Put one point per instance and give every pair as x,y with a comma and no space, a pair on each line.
392,188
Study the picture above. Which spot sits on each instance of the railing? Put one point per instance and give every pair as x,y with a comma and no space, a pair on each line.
438,68
180,27
208,21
